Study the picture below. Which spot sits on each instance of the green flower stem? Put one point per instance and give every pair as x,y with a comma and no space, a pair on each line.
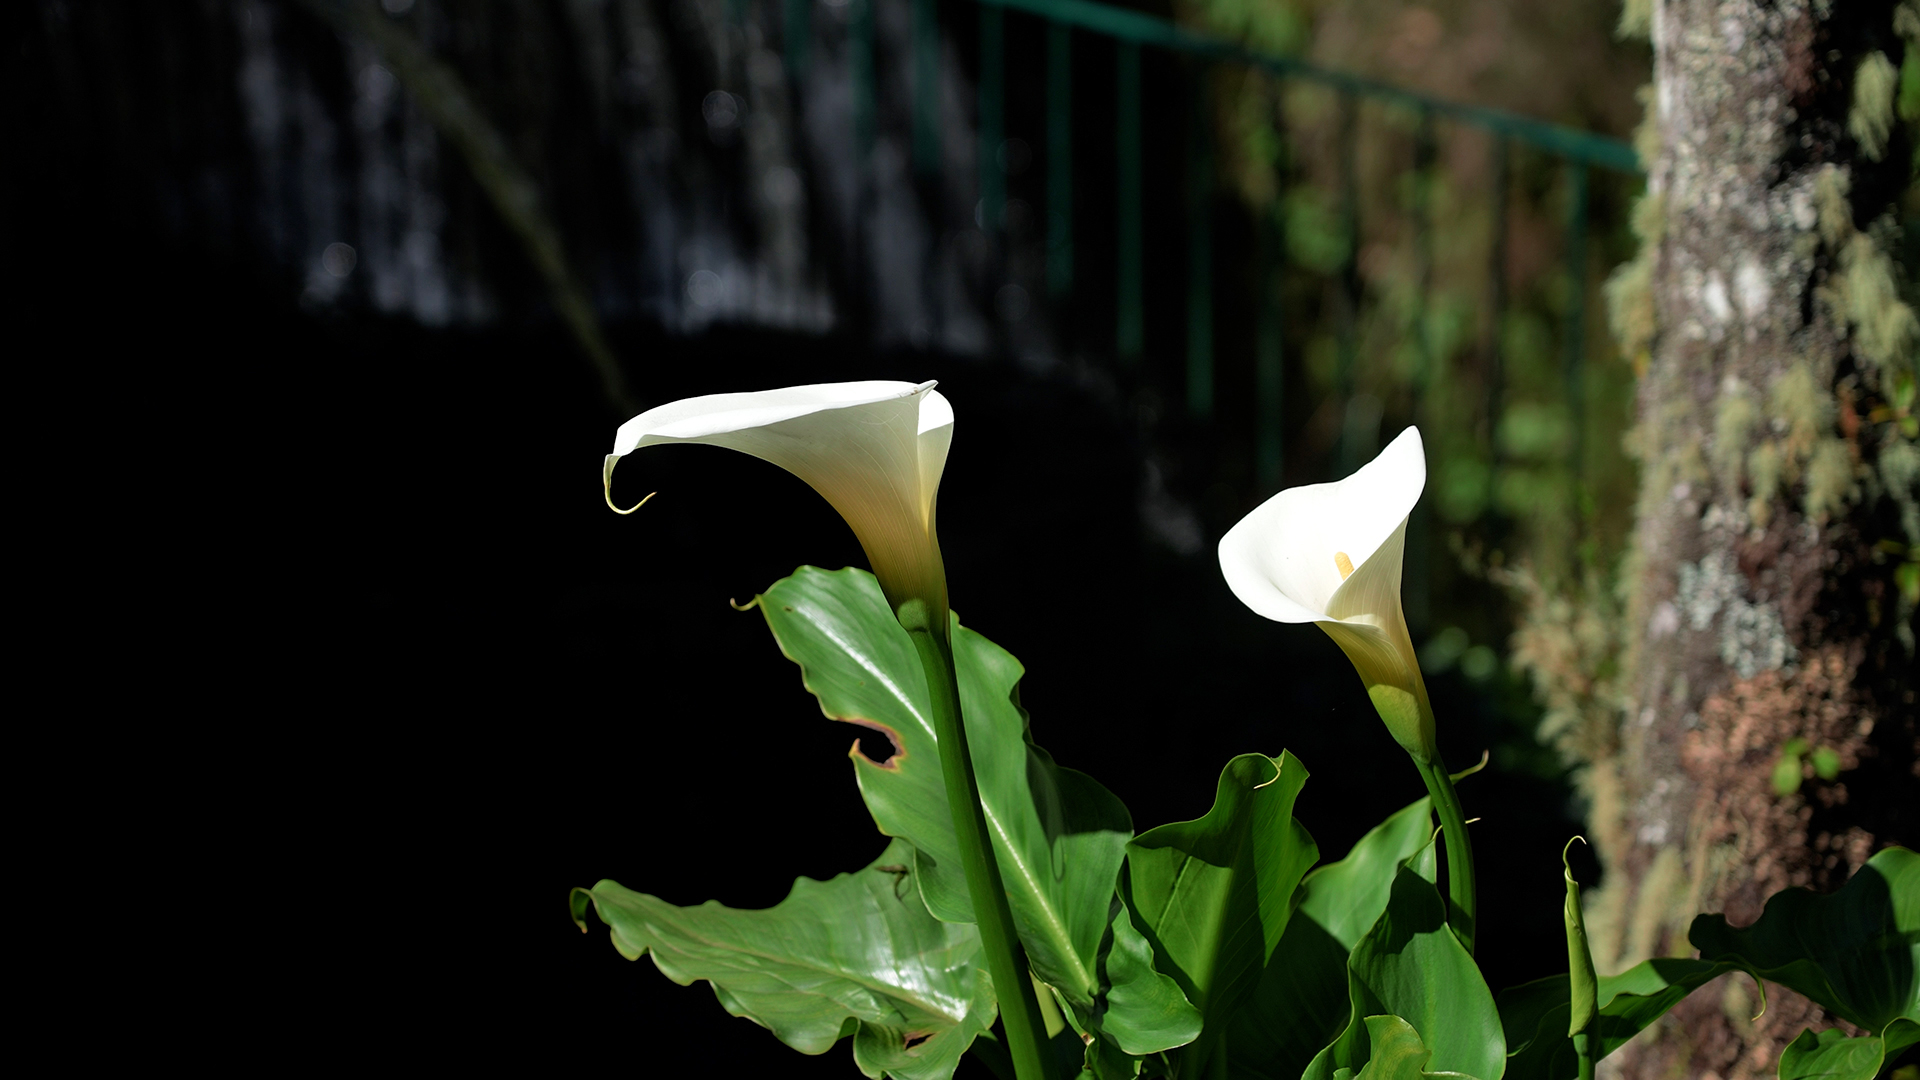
1582,1045
1006,960
1462,892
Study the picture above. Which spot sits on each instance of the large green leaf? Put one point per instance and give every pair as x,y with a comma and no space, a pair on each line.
1298,1007
852,955
1830,1055
1214,895
1301,1004
1856,952
1347,896
1534,1015
1410,965
1059,836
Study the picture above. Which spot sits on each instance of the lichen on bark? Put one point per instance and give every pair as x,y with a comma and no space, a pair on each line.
1764,598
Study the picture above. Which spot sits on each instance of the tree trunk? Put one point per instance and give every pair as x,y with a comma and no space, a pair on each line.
1764,590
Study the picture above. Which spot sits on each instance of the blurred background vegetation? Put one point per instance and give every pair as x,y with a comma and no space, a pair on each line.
459,239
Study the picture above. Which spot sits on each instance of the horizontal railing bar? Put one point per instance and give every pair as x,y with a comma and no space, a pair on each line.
1148,30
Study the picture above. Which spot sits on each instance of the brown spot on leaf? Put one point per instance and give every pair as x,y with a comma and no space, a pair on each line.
899,748
915,1038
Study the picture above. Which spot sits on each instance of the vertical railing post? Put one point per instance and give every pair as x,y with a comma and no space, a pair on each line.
1418,586
1497,313
1351,452
860,67
1269,343
1269,346
797,39
926,88
1059,160
1575,326
1424,150
1130,330
993,182
1200,252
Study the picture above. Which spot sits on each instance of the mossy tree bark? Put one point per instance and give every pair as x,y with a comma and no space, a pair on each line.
1764,591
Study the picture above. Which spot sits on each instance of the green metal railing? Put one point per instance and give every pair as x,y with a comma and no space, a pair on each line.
1579,152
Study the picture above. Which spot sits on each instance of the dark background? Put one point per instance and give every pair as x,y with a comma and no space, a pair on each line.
425,683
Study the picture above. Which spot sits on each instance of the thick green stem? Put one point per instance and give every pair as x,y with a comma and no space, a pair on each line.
1582,1046
1006,960
1462,892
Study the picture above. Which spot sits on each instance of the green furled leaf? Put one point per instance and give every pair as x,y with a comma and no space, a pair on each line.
1582,981
850,955
1214,895
1534,1015
1830,1055
1856,952
1410,965
1301,1004
1347,896
1059,836
1398,1052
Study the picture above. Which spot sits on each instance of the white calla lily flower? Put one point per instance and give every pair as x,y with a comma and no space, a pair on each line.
874,450
1331,554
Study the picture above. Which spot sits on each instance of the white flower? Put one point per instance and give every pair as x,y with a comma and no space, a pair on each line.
1330,554
875,450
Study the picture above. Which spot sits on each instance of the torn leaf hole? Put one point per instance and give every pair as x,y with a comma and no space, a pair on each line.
915,1038
880,745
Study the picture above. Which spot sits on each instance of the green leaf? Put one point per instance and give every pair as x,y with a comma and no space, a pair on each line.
851,955
1398,1052
1831,1054
1146,1010
1346,897
1214,895
1298,1007
1059,836
1855,952
1534,1016
1786,774
1301,1004
1410,965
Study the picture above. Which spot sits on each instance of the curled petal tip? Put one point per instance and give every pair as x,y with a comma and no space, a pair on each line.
629,509
606,487
1476,767
1563,855
1277,773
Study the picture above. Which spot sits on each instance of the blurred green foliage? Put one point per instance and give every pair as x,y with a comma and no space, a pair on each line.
1409,281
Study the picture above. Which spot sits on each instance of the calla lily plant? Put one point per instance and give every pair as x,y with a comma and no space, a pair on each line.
1212,947
1331,555
876,452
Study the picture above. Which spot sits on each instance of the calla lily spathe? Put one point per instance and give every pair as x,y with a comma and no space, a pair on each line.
1331,554
874,450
